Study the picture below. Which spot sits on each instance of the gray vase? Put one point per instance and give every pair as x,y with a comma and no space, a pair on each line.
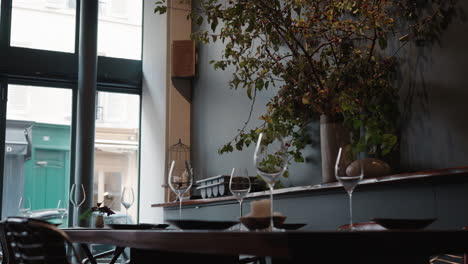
333,135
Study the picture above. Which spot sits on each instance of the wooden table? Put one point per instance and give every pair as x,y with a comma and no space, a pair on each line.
288,247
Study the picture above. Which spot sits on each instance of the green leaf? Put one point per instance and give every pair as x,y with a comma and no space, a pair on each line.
249,91
383,43
214,24
199,20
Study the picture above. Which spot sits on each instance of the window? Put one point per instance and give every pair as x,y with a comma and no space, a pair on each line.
116,151
37,144
119,29
41,51
45,25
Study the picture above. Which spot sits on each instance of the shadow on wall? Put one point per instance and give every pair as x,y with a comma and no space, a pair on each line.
433,95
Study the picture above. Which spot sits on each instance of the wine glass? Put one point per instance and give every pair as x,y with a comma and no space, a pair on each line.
180,179
77,198
62,209
271,162
239,185
349,182
24,206
128,198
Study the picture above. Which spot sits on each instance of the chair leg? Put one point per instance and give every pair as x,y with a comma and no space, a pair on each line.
117,252
88,254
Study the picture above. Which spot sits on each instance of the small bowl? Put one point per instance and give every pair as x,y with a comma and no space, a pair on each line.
255,223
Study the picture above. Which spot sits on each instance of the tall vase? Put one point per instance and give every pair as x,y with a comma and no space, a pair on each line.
333,135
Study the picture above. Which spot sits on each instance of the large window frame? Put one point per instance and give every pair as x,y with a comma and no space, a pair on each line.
33,67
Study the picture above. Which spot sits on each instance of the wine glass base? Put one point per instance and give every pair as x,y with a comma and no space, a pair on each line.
274,229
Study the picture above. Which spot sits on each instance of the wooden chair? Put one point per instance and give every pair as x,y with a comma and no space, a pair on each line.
34,241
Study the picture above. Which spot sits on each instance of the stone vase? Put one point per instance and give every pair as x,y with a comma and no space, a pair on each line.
333,135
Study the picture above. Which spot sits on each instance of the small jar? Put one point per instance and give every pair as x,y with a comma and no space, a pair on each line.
99,221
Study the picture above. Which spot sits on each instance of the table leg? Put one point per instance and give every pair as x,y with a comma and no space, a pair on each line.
92,259
117,252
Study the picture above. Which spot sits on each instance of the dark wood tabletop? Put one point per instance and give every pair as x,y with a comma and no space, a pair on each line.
283,244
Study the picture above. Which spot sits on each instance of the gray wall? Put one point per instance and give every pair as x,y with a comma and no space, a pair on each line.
444,200
434,127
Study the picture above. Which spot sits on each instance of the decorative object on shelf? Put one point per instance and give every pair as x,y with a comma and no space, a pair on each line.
371,167
219,186
180,153
333,136
334,58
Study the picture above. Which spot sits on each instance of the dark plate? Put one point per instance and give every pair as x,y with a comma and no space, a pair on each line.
394,223
198,224
137,226
292,226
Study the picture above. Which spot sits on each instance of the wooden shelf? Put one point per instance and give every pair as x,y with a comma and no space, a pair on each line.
442,174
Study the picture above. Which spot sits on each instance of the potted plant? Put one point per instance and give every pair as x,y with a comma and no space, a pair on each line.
333,60
101,209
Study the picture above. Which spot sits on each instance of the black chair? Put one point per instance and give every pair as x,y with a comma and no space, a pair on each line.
28,240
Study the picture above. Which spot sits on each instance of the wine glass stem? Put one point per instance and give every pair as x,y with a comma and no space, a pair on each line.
180,207
126,215
62,220
271,207
351,210
240,208
75,216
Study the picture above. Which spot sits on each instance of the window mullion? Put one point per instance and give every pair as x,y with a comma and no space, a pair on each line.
5,24
3,106
77,26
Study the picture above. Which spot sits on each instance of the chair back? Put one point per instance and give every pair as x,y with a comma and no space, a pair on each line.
36,242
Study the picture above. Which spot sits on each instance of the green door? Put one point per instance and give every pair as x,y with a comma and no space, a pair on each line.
49,179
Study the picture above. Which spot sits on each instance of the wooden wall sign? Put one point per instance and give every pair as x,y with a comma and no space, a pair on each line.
183,59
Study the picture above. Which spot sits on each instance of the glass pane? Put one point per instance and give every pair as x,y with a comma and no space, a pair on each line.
37,150
44,24
116,152
119,29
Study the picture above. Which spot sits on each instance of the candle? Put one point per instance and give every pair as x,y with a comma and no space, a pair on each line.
260,208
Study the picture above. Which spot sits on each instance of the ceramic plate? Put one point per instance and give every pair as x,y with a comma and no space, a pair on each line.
199,224
138,226
396,223
292,226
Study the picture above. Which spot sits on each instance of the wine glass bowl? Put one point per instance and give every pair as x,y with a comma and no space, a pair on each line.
128,197
239,185
271,162
62,209
24,206
349,182
77,197
180,179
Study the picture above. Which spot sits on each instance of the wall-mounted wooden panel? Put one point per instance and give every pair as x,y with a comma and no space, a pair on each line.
183,59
